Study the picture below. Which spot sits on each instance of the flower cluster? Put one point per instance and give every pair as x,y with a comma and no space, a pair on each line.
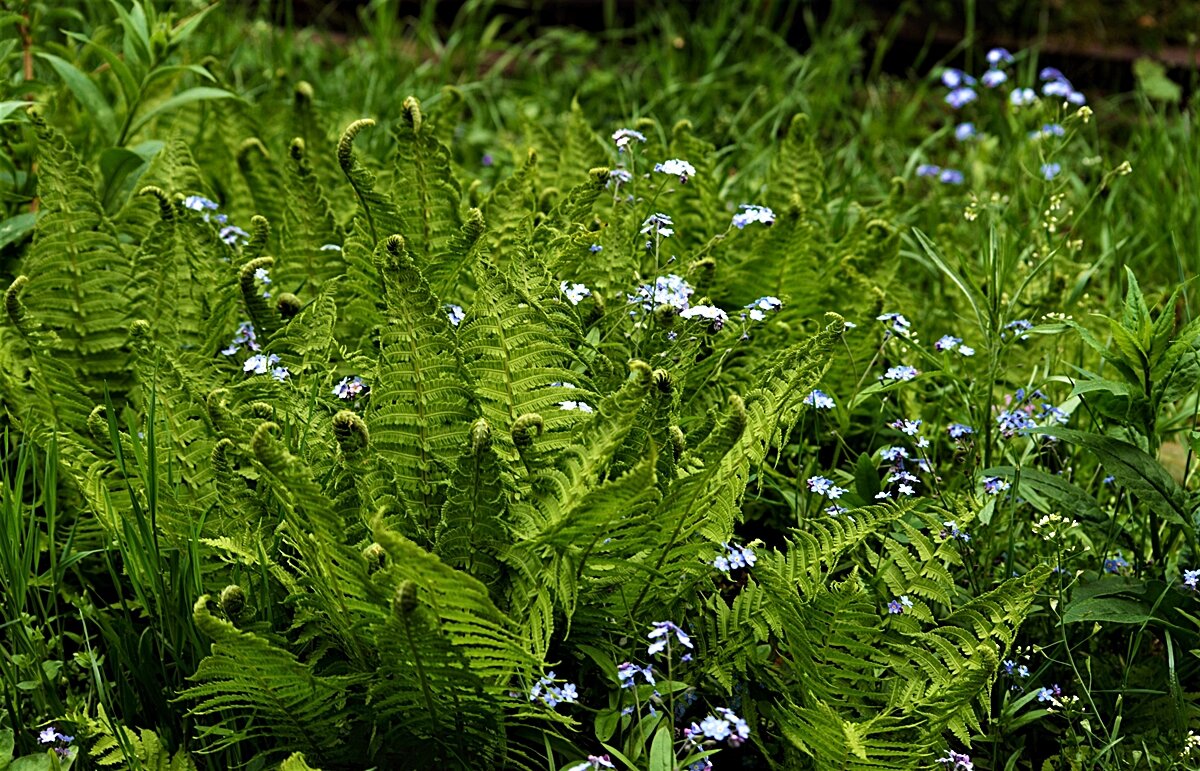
1050,694
825,486
624,136
1051,525
715,315
579,406
593,763
1013,669
678,168
349,387
627,671
261,364
819,400
574,292
724,726
995,485
900,373
957,761
959,430
900,604
947,343
1115,564
552,695
230,234
669,290
50,735
1028,411
1190,579
945,176
950,531
661,637
735,557
659,225
753,213
1055,84
244,336
455,313
897,325
263,277
758,310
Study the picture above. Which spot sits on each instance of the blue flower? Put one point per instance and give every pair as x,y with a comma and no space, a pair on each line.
734,558
1052,130
825,486
960,97
753,213
910,427
1021,327
660,634
951,177
244,336
618,177
893,454
349,387
995,485
47,736
199,203
928,170
261,274
260,364
950,530
959,430
895,608
624,136
819,400
574,292
1050,73
659,224
899,325
1190,578
678,168
487,159
993,78
669,290
998,56
900,373
455,313
1115,564
233,235
1022,97
593,763
953,77
947,343
280,373
595,248
964,131
1049,694
713,314
1051,170
960,761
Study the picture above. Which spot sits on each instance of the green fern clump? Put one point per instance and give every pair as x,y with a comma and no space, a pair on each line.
439,449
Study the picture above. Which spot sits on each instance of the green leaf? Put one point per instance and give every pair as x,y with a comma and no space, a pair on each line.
33,763
86,92
1152,77
1038,487
606,723
662,751
129,84
1116,610
1141,474
7,743
8,108
197,94
118,172
16,228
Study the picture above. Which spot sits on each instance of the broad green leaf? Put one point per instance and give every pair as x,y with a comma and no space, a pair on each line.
7,743
16,228
197,94
1116,610
662,751
86,92
1137,471
1152,77
8,108
129,84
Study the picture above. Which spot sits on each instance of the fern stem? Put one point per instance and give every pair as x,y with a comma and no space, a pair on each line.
421,675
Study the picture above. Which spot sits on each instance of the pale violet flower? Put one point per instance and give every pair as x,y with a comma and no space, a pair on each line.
659,224
661,634
961,97
455,313
677,168
953,77
998,56
233,235
993,78
349,387
618,177
262,275
1050,170
669,290
280,373
819,400
593,763
928,170
199,203
734,557
576,406
900,373
965,131
951,177
753,213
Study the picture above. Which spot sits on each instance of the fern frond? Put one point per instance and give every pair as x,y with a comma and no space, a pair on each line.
426,194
